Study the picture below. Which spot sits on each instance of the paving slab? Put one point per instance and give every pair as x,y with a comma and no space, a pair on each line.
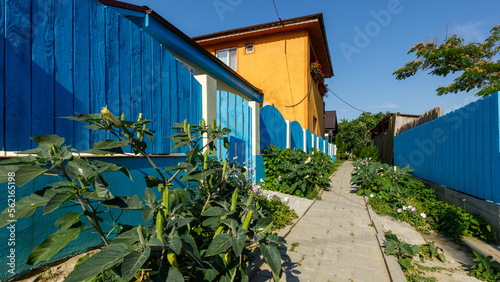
336,240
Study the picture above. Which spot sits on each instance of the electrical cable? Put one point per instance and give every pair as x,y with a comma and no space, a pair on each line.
345,101
276,9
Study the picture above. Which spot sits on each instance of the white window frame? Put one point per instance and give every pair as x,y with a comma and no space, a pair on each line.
232,63
248,46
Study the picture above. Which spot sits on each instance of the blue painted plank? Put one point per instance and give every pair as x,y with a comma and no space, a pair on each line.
467,150
136,73
97,64
232,125
42,69
165,99
223,120
239,129
2,77
125,48
473,150
81,66
112,73
174,96
218,121
454,151
488,156
18,62
246,131
147,82
479,135
184,96
495,143
195,97
461,156
64,87
297,135
157,98
199,102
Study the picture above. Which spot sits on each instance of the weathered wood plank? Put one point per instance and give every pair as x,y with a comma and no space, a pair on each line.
147,82
135,73
125,50
174,95
42,82
157,103
64,87
18,64
2,76
81,66
112,73
97,64
166,99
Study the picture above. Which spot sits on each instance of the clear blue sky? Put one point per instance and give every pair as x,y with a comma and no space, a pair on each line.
363,78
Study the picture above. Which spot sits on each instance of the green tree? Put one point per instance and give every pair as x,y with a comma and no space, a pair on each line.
356,133
477,63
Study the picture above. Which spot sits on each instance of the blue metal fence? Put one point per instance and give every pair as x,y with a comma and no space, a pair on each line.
460,150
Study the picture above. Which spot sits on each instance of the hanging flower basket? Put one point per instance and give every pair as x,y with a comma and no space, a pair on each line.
319,77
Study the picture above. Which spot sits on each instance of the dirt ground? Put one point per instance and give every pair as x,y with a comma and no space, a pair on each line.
53,272
458,261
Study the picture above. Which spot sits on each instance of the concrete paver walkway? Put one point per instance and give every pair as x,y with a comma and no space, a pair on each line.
336,240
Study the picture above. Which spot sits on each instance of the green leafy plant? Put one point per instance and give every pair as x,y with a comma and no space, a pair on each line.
405,252
391,190
477,63
204,235
369,152
281,213
293,172
485,268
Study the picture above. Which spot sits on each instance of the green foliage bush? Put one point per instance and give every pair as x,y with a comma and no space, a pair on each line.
281,213
395,192
485,268
356,133
294,172
369,152
204,236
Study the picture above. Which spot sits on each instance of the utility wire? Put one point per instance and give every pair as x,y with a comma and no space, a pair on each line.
345,101
276,9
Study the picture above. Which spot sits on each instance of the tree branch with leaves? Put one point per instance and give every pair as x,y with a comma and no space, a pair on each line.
477,63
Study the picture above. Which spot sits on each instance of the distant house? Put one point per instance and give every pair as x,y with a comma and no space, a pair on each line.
277,58
331,125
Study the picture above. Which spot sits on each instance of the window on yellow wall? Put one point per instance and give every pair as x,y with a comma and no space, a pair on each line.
249,48
228,56
314,124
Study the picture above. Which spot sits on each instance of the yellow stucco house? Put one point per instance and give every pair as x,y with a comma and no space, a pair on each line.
277,58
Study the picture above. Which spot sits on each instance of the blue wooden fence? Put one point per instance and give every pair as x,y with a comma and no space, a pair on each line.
297,138
234,113
61,57
460,150
272,128
309,143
